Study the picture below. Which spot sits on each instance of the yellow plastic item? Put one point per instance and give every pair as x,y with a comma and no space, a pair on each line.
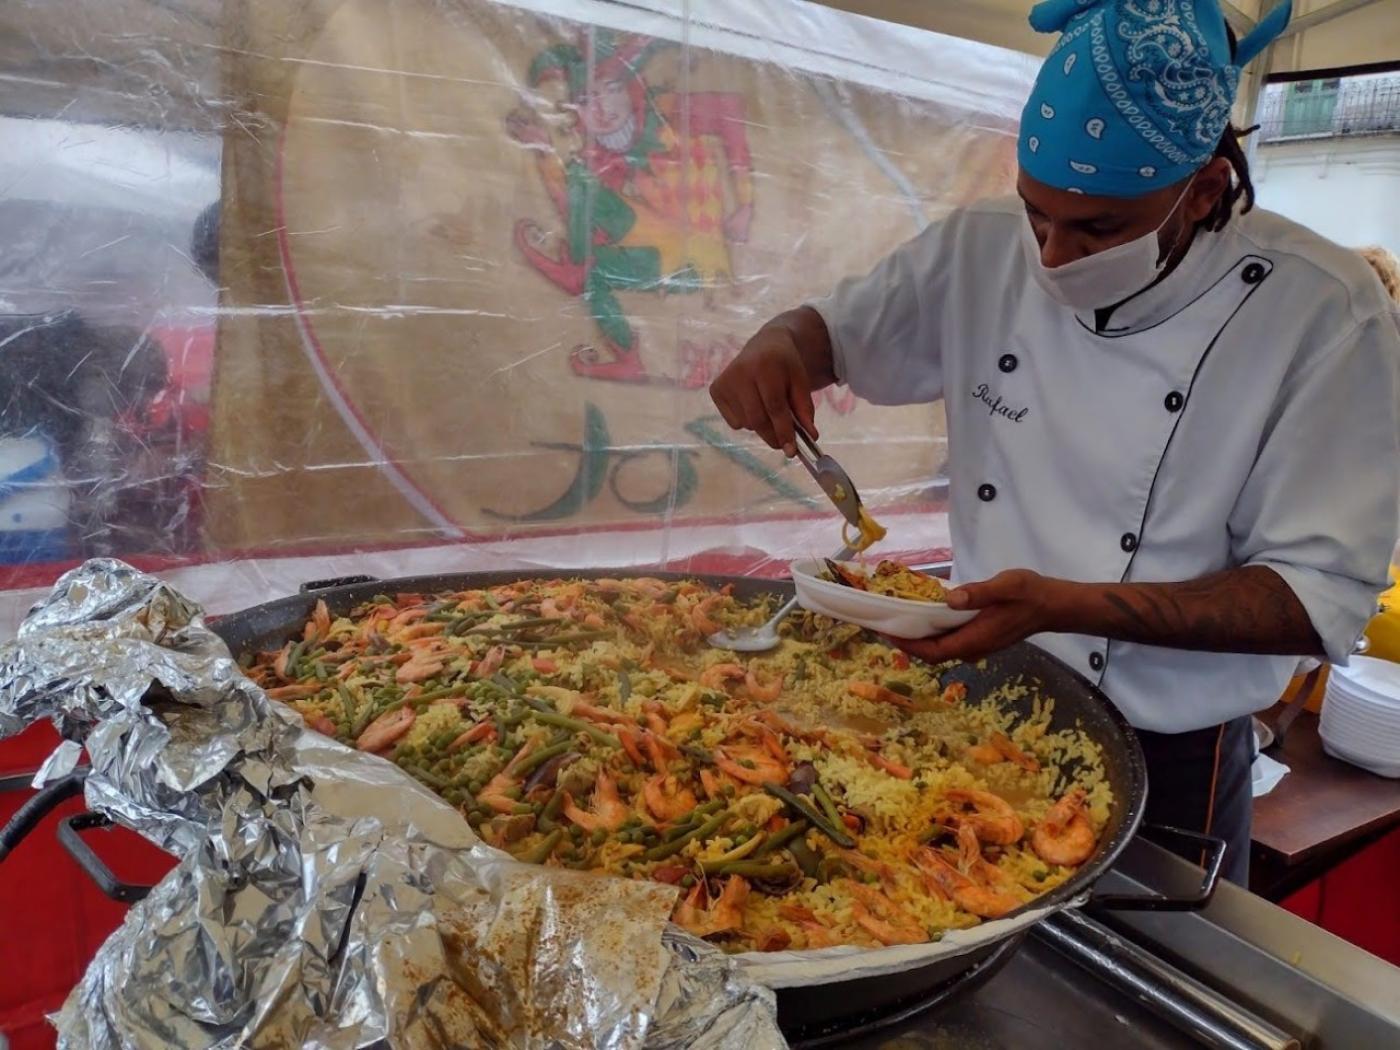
1383,631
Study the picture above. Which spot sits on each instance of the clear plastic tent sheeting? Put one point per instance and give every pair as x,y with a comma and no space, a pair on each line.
291,291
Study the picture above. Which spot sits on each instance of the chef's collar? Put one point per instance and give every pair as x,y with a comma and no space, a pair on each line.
1201,267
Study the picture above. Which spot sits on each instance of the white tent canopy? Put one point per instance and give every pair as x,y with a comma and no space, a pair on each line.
1326,34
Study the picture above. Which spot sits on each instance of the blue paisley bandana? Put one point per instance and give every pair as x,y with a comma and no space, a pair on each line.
1136,93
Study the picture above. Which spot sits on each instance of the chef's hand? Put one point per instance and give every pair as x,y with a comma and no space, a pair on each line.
772,379
1011,606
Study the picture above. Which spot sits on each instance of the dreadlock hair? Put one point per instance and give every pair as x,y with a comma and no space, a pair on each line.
1240,184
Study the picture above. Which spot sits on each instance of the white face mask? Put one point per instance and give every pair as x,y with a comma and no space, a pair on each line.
1106,277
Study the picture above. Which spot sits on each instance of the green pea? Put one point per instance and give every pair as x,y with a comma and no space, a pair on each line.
599,837
688,881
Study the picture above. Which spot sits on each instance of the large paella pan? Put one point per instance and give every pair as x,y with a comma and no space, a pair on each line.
827,794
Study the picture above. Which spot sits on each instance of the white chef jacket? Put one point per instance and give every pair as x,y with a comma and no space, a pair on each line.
1244,411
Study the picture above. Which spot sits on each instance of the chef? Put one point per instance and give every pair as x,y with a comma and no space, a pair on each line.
1174,456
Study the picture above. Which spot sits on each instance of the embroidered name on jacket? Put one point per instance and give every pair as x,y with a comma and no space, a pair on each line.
996,406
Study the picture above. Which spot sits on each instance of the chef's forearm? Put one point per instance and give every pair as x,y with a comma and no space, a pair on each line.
1245,610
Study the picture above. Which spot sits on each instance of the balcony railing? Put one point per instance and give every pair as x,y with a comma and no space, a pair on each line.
1366,107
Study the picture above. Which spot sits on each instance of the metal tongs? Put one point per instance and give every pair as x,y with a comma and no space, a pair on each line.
841,490
832,478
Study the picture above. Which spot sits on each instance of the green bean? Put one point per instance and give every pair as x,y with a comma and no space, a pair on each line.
806,859
902,688
458,625
564,639
521,808
819,821
543,713
704,831
319,670
514,626
750,869
828,806
293,658
504,681
535,758
427,776
692,820
624,686
541,851
780,838
553,806
347,701
435,694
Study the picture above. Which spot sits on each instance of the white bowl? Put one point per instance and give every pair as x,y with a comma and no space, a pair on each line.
1370,678
896,617
1383,767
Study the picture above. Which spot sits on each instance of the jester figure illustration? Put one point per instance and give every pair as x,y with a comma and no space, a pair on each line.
657,189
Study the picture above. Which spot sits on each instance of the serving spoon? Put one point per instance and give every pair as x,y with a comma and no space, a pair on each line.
765,636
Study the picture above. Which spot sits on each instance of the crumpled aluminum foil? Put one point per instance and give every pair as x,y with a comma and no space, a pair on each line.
322,897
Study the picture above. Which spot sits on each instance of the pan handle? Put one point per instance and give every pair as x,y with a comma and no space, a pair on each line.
1213,850
35,809
69,835
334,581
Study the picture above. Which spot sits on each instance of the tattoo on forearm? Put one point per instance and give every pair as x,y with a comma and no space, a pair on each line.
1247,610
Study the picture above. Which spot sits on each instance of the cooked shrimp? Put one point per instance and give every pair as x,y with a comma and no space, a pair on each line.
667,798
999,748
1065,836
967,893
772,940
294,692
818,935
421,630
878,694
750,764
279,665
319,626
761,693
716,675
659,750
991,816
777,722
700,617
890,766
723,916
490,663
632,744
419,668
497,791
710,781
608,812
386,729
892,925
583,709
320,723
483,731
407,617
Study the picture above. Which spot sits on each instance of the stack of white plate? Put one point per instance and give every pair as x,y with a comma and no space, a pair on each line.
1361,715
